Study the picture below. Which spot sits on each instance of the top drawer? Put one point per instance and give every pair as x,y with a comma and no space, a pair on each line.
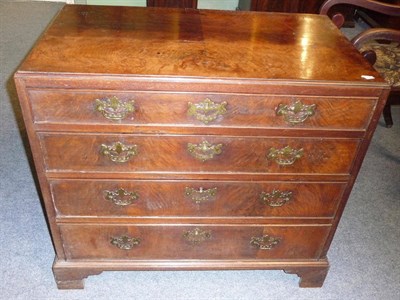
199,109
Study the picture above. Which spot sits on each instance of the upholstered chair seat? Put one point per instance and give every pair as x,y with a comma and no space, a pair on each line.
380,46
387,60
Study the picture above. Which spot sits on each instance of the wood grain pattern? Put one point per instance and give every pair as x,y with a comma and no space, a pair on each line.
81,153
196,43
78,270
167,242
162,59
254,111
168,199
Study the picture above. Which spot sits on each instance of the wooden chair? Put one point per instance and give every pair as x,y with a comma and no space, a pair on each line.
173,3
380,46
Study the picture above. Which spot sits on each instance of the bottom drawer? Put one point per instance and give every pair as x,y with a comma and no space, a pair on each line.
193,241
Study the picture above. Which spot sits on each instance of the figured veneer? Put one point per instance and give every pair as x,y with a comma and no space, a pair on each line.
163,198
178,242
71,107
163,153
164,139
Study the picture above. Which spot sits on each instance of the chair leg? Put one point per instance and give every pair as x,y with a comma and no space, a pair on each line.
387,115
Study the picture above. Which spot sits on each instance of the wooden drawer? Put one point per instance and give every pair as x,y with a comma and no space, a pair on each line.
174,109
154,199
193,242
188,154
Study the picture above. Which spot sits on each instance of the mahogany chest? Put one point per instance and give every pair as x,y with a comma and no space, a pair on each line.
176,139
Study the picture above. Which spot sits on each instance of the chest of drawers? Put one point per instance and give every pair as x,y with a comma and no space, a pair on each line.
165,140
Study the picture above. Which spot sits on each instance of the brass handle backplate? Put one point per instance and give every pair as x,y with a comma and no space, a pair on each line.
276,198
285,156
114,109
265,242
206,111
121,197
295,113
125,242
204,151
118,152
200,195
197,236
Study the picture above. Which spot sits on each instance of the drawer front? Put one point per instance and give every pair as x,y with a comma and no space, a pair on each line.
109,198
193,242
191,154
183,109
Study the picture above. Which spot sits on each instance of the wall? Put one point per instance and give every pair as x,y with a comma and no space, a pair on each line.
66,1
207,4
204,4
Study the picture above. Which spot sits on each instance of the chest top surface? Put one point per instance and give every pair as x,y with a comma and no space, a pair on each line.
196,43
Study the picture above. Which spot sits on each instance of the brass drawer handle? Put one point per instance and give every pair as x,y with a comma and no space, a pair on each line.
118,152
114,109
200,195
265,242
207,110
295,113
285,156
197,236
125,242
204,151
121,197
276,198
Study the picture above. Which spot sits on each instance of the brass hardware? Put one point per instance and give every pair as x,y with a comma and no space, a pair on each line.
296,112
114,109
204,151
121,197
276,198
125,242
119,152
207,110
285,156
200,195
265,242
197,236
